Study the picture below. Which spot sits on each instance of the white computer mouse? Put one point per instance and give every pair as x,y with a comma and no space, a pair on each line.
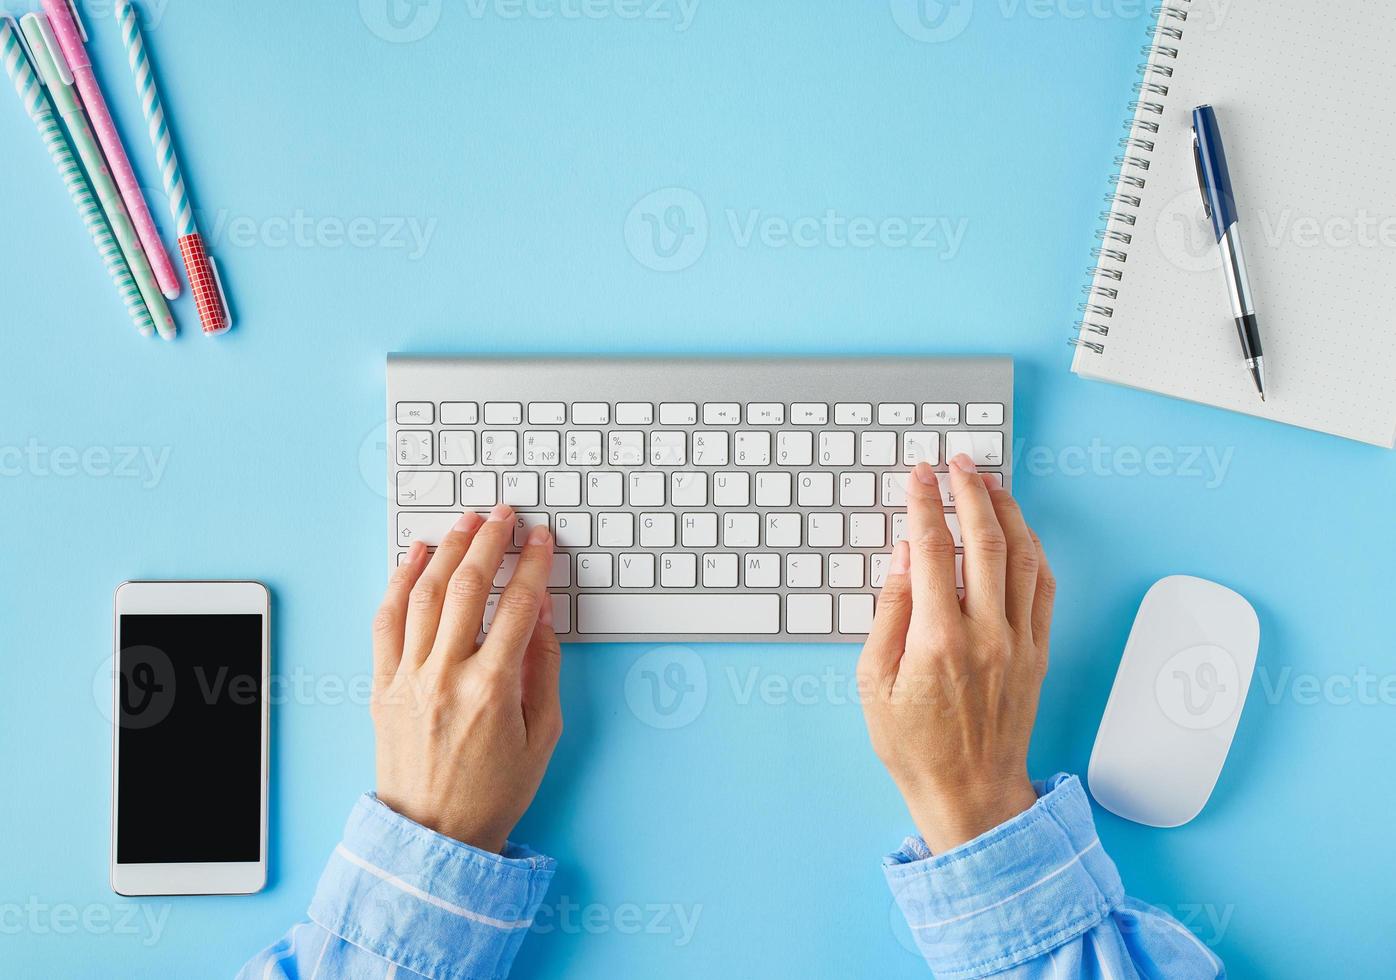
1177,699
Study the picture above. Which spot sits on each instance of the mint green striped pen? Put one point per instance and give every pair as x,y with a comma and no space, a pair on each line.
31,94
46,53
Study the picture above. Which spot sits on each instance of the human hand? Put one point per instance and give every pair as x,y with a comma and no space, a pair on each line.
465,730
950,687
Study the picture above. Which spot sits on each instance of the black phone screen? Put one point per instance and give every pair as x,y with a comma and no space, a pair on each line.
189,750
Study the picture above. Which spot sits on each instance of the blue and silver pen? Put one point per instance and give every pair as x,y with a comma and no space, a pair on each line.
1220,203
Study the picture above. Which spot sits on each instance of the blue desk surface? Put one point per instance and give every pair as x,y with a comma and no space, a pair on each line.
471,189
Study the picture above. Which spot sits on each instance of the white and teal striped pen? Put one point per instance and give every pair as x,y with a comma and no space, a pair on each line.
36,103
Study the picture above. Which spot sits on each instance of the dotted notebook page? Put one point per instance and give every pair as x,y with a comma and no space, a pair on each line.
1302,91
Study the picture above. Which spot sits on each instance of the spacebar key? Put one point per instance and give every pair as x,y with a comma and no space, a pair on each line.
714,615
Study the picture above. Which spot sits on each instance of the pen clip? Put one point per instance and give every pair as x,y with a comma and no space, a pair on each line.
222,296
55,53
77,18
27,50
1201,177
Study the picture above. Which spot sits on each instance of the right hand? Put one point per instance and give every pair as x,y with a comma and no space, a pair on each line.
950,687
465,729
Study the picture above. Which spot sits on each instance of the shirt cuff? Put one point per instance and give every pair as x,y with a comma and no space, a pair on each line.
1011,894
428,903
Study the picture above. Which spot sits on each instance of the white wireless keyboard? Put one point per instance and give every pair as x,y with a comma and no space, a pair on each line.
691,499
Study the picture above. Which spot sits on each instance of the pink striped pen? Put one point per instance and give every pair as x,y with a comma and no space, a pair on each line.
67,25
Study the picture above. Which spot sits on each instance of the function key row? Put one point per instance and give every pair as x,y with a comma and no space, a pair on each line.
690,413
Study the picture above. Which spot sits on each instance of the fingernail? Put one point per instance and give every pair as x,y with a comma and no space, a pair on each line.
925,474
963,463
466,522
539,535
901,559
501,512
545,611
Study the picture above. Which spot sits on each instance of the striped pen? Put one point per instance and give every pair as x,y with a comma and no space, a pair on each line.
31,93
198,265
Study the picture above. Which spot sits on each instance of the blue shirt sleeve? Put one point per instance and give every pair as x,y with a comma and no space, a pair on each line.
397,899
1037,897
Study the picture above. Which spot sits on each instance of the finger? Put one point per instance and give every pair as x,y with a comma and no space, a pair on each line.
468,590
1020,567
424,606
542,665
986,549
1043,598
391,620
517,613
932,549
882,653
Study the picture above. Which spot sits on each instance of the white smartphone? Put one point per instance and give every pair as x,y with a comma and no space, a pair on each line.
190,672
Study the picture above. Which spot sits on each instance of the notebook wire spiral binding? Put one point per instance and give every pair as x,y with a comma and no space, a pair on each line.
1119,218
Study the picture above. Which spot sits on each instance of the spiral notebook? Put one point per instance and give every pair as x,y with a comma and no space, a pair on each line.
1303,92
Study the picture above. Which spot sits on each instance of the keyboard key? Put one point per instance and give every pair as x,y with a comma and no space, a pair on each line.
782,530
583,449
894,489
809,614
984,413
877,570
559,576
416,413
762,571
867,531
857,490
478,490
805,571
572,530
947,495
525,523
765,413
591,413
459,413
499,448
722,413
825,531
720,571
678,413
658,530
503,413
773,489
855,614
898,528
521,489
741,530
637,571
678,570
878,448
699,530
547,413
845,571
675,615
816,489
896,413
647,489
626,448
541,448
562,614
457,448
605,490
414,448
668,448
731,489
940,413
853,413
953,521
753,449
709,449
562,489
809,413
836,448
920,447
634,413
985,448
688,489
615,530
426,488
423,526
795,448
594,571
